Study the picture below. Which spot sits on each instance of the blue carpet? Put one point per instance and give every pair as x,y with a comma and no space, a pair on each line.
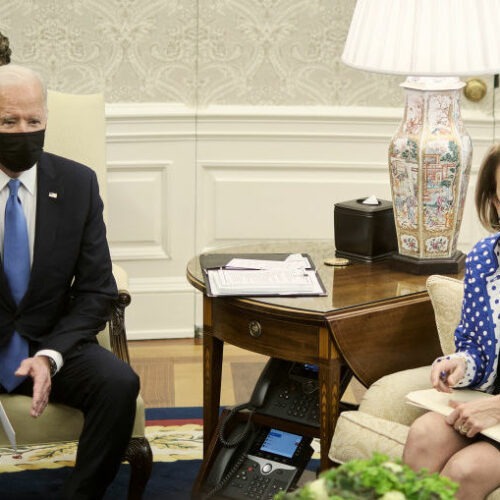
180,413
169,481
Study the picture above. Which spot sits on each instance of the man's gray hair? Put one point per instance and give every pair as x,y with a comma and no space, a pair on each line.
11,74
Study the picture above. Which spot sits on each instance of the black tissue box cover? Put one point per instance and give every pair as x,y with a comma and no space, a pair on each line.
364,232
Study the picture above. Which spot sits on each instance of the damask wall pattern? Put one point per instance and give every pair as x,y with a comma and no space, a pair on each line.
196,52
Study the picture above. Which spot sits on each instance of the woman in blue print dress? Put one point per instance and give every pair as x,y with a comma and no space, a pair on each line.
452,445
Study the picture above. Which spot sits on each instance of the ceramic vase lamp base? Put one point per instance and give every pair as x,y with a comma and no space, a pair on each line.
429,162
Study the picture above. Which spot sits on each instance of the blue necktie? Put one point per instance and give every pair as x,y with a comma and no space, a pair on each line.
16,264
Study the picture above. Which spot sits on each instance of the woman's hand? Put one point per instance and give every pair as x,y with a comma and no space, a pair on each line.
446,372
474,416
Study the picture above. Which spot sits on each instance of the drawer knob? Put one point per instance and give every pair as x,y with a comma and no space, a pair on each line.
255,329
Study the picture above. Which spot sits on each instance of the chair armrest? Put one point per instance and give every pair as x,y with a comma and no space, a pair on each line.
117,332
386,398
121,277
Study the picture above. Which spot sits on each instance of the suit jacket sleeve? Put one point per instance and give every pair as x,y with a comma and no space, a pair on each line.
93,288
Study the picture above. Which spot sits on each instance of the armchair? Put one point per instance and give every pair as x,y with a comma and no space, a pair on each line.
383,418
76,129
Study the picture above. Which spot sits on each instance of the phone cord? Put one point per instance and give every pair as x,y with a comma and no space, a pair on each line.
240,437
226,478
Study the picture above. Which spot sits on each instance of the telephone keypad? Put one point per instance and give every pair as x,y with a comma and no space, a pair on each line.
259,478
294,401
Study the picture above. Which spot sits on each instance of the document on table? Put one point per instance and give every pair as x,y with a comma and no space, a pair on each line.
431,399
7,427
293,275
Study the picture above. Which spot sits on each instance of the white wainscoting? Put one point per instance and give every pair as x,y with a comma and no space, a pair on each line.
181,182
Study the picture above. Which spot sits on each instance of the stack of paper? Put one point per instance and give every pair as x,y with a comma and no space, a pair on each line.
431,399
240,276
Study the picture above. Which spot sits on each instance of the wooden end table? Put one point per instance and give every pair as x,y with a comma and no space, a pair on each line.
374,321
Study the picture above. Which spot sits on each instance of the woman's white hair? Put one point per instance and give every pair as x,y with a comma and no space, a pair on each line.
12,74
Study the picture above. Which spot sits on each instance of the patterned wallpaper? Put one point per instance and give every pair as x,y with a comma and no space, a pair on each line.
196,52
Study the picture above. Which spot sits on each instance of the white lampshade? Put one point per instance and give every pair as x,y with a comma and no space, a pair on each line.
425,37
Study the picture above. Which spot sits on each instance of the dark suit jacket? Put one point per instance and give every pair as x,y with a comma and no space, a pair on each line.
71,287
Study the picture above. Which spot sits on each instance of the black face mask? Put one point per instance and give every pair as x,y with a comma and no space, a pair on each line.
20,151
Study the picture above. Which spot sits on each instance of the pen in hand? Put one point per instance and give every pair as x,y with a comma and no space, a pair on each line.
443,377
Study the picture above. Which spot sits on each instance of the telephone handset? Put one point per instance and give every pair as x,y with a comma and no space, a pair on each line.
274,369
227,462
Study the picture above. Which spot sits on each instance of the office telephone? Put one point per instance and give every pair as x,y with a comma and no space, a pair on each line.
266,462
288,390
258,461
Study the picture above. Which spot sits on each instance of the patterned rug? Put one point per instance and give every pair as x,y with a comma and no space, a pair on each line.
175,436
173,433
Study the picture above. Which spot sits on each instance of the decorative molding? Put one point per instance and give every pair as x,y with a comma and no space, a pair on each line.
125,242
215,159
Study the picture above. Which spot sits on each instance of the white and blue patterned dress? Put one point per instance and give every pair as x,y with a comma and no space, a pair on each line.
477,337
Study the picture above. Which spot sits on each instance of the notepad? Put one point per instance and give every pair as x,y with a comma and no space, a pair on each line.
242,275
269,282
431,399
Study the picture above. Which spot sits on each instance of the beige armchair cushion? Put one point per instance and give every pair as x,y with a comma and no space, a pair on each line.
446,295
58,423
386,398
359,434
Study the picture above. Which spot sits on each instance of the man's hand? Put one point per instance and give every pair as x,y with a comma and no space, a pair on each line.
38,369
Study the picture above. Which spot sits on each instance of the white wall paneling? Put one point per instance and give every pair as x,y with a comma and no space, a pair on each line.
151,198
138,193
181,183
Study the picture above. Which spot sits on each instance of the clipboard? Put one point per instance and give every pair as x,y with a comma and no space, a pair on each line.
218,261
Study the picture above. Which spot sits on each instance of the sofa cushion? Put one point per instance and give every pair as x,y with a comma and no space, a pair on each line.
446,295
57,423
386,398
358,435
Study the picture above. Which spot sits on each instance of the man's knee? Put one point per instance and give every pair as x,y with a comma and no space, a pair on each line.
122,380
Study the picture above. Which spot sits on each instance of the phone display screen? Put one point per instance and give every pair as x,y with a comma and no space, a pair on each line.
304,371
281,443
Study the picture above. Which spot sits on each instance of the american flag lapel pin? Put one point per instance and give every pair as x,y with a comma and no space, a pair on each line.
52,195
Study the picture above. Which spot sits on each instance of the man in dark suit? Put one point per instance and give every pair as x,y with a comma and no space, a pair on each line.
69,293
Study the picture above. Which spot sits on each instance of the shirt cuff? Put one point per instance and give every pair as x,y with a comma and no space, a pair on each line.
465,381
56,356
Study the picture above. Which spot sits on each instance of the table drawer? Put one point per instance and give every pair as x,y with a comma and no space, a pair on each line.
258,332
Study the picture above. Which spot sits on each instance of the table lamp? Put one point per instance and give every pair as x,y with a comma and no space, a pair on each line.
432,43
